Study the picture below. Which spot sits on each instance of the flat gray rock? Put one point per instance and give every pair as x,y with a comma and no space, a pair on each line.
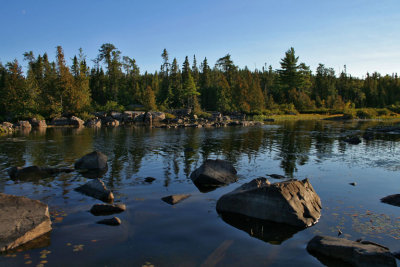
174,199
291,202
362,253
214,173
92,161
97,189
21,220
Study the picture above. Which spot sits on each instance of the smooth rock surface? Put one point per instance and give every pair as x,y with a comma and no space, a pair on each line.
21,220
92,161
96,189
113,221
362,253
174,199
214,173
107,209
292,202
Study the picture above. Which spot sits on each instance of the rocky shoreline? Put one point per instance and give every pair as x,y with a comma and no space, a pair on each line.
172,119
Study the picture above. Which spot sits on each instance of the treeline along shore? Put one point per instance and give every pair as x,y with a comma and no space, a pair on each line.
50,90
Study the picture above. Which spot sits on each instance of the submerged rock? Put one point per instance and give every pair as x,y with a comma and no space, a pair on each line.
291,202
214,173
174,199
107,209
363,253
96,189
392,200
276,176
92,161
149,179
21,220
114,221
34,172
355,140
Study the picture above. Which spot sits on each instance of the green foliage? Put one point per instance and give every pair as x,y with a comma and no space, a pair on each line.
366,113
170,116
111,106
85,116
203,114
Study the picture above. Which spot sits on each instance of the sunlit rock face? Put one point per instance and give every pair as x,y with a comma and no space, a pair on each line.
291,202
21,220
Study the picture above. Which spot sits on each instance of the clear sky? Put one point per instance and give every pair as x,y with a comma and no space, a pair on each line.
364,35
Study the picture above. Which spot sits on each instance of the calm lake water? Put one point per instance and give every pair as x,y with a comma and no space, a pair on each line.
192,233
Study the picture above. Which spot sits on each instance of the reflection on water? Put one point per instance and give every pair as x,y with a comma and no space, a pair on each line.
191,233
273,233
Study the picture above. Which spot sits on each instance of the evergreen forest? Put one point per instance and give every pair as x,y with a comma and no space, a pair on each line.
113,82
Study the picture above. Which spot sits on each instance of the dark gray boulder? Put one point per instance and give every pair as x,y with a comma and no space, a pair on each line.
174,199
363,253
21,220
114,221
92,161
107,209
291,202
93,123
149,179
97,189
355,140
214,173
392,200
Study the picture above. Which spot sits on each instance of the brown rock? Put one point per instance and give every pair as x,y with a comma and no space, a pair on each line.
362,253
292,202
114,221
107,209
21,220
174,199
96,189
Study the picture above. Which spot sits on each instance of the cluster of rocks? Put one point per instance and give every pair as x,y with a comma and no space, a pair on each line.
27,125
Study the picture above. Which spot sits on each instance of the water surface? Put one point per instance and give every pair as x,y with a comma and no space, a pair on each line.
191,233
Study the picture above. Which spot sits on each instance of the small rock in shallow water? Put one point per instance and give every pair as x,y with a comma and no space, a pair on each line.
174,199
114,221
107,209
355,140
149,179
96,189
353,184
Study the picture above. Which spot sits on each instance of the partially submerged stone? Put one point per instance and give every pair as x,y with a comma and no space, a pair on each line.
363,253
174,199
149,179
21,220
291,202
214,173
392,200
107,209
114,221
92,161
97,189
35,172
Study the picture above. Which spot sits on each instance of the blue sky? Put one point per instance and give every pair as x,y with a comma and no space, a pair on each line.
364,35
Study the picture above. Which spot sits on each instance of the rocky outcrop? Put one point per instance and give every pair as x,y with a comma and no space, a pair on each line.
93,123
21,220
392,200
38,123
6,127
23,125
107,209
63,121
97,189
35,172
214,173
92,161
174,199
291,202
363,253
115,221
111,122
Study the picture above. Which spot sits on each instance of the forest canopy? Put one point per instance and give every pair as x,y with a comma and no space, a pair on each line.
114,82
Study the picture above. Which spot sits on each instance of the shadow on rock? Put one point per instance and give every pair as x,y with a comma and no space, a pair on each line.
267,231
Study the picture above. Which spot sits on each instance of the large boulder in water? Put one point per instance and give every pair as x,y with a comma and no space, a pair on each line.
34,172
291,202
214,173
92,161
333,251
21,220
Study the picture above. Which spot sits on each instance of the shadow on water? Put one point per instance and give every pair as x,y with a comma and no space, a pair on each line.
270,232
